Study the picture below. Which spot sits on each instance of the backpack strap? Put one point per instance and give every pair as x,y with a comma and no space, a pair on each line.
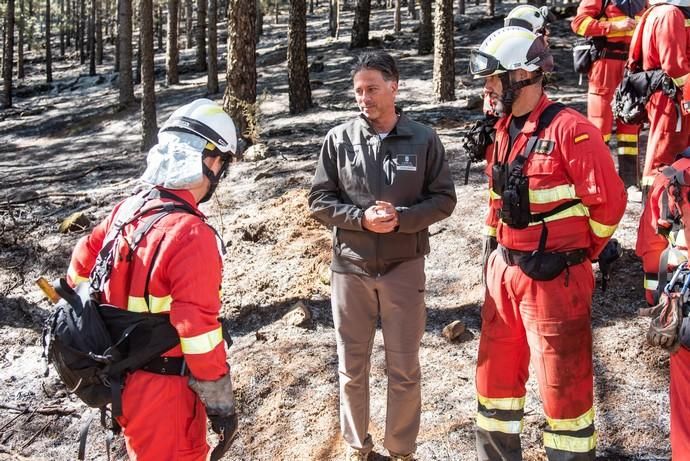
545,119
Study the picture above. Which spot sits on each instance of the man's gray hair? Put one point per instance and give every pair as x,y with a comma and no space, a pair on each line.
377,60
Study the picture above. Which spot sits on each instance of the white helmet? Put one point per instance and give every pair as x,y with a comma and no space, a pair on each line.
511,48
670,2
528,17
194,131
208,120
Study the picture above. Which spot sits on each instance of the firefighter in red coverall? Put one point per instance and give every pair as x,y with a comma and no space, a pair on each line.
666,46
615,25
665,210
176,270
556,215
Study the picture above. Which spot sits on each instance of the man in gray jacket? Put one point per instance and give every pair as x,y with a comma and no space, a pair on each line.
381,180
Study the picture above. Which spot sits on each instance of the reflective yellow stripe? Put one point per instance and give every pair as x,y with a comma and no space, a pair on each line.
156,305
493,195
602,230
76,278
583,27
542,196
568,443
627,137
607,137
647,180
625,33
203,343
626,150
496,425
650,284
680,81
490,231
506,403
572,424
573,211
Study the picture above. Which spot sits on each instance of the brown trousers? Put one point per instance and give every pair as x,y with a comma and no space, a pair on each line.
397,297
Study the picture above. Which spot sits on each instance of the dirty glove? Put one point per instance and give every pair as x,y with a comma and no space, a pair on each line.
667,319
489,245
610,254
219,401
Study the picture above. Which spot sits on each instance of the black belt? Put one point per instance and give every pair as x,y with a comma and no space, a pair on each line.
609,54
513,257
167,366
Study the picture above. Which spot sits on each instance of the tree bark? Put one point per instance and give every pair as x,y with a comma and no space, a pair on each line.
67,20
173,52
149,127
82,32
461,6
259,20
396,17
20,43
99,32
277,11
360,26
125,47
92,38
425,44
189,22
61,27
332,17
412,8
201,9
8,57
240,93
159,27
212,83
444,52
49,54
491,6
299,91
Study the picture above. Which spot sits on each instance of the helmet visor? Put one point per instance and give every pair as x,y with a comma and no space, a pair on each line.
483,65
540,55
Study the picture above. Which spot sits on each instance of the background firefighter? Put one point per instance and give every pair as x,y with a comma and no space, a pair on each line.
574,202
177,270
666,209
666,46
611,24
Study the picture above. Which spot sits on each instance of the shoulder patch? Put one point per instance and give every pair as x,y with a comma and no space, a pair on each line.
580,138
544,146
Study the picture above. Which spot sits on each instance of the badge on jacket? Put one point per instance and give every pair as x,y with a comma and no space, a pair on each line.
406,162
544,146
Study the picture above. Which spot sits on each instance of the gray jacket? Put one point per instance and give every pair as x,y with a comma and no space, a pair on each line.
408,169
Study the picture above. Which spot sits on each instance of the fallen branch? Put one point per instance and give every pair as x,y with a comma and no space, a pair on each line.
9,204
48,410
37,433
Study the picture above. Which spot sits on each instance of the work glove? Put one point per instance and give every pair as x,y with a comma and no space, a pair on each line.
489,245
610,254
219,401
667,318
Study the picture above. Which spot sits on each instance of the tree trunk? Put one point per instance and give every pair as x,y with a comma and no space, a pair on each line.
68,23
125,47
311,6
116,66
137,68
259,20
49,54
8,57
159,27
173,52
277,11
92,38
444,53
491,6
299,91
360,26
412,9
332,17
201,35
99,32
61,28
149,127
240,94
212,83
82,32
396,17
20,43
426,29
461,6
189,22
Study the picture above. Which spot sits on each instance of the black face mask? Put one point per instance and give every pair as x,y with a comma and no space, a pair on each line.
214,179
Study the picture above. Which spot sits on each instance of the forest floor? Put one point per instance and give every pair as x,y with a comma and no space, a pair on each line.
66,149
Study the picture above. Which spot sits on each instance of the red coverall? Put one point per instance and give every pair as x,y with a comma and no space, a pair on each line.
547,322
666,46
604,77
650,244
162,418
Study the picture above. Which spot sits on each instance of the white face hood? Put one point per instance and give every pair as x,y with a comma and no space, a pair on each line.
175,162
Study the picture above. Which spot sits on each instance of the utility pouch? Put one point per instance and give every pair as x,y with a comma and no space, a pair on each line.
515,207
542,265
499,177
586,51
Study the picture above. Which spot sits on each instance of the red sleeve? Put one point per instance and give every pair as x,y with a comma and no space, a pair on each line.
194,272
671,41
586,21
591,169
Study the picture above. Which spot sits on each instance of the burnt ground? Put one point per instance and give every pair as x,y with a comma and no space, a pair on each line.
66,149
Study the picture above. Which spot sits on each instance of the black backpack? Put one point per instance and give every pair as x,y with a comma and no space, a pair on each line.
93,346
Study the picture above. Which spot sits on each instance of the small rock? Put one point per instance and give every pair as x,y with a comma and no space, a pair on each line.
76,222
299,315
317,66
453,330
256,152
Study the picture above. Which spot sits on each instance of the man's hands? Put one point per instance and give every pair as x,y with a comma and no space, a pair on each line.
623,26
380,218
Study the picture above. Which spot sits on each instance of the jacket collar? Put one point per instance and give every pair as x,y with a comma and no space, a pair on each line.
533,119
185,196
403,127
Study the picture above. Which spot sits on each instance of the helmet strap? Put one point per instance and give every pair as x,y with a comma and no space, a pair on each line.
511,88
213,178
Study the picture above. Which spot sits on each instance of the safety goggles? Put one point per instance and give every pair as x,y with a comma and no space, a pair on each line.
483,64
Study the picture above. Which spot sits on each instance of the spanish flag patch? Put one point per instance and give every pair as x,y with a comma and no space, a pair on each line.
582,137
